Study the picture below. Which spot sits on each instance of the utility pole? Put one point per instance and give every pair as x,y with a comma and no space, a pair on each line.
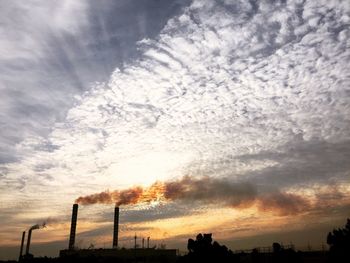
309,246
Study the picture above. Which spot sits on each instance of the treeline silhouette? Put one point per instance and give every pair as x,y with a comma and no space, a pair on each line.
204,249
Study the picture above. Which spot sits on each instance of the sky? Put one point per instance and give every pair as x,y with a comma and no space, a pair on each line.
229,117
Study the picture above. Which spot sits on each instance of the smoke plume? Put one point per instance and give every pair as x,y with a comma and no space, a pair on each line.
205,189
283,203
37,226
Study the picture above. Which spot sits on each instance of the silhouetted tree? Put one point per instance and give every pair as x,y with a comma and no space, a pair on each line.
276,247
339,244
284,255
203,249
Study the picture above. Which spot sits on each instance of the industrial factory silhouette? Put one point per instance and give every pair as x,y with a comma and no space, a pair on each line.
125,255
201,249
115,254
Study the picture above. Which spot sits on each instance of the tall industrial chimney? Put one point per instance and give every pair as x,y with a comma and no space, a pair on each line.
28,241
116,227
22,244
73,226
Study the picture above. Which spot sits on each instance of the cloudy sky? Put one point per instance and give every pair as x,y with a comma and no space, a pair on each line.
242,105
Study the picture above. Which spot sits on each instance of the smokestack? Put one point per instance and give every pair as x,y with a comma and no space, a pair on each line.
148,242
73,226
30,235
28,241
116,227
22,244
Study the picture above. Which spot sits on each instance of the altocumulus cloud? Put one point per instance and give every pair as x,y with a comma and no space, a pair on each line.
238,89
45,64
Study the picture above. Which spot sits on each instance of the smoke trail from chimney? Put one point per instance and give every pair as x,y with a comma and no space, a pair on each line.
188,188
206,190
37,226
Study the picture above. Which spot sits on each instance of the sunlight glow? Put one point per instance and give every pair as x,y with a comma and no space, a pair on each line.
150,167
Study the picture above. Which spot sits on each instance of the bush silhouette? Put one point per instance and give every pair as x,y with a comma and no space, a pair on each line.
339,244
203,249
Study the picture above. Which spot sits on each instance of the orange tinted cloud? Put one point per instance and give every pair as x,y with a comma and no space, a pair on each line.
203,189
